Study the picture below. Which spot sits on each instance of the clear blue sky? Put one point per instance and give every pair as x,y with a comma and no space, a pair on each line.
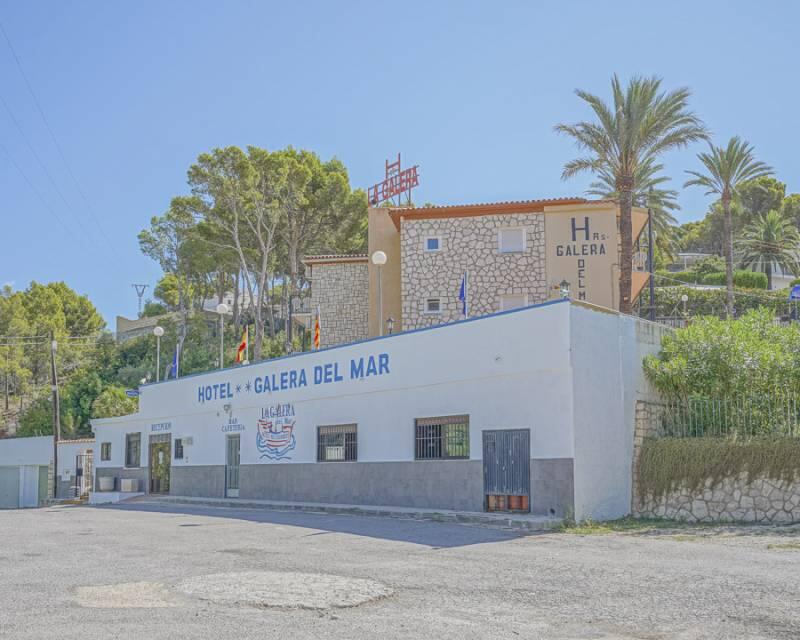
470,91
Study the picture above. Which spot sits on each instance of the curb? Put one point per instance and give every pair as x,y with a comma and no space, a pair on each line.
522,522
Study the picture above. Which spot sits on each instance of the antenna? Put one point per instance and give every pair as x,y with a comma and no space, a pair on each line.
140,289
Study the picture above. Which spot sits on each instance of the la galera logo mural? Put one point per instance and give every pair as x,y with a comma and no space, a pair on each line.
275,437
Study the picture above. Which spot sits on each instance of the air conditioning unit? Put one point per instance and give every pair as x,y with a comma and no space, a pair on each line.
188,441
129,485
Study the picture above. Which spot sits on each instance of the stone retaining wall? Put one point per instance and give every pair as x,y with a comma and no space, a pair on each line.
733,499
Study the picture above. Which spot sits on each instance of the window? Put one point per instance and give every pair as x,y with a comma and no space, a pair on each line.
337,443
510,301
433,243
433,305
105,451
133,455
511,240
178,448
441,438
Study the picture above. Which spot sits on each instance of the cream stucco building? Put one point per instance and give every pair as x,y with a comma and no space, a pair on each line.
514,254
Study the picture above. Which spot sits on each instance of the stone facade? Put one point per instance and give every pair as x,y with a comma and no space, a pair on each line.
468,244
341,291
733,499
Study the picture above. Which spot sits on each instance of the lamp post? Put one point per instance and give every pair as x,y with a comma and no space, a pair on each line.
564,286
684,300
222,309
158,332
390,325
379,259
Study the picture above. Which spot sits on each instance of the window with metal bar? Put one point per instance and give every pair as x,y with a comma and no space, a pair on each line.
105,451
441,438
337,443
178,448
133,442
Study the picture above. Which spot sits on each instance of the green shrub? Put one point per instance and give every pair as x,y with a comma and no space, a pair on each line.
703,302
741,279
794,282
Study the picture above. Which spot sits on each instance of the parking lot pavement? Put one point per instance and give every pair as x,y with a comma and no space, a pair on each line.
169,571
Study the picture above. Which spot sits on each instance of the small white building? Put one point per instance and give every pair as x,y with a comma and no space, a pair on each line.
529,409
25,466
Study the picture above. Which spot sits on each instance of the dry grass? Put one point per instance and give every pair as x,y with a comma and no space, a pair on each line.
669,464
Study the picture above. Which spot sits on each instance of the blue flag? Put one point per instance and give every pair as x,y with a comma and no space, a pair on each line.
462,296
173,368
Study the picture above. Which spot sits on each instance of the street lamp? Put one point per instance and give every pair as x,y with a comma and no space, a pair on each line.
390,325
222,309
158,332
684,300
564,286
379,259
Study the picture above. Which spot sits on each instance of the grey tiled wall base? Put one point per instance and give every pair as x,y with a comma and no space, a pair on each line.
428,484
206,481
552,486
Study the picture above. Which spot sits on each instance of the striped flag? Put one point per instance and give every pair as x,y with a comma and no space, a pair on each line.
241,351
316,331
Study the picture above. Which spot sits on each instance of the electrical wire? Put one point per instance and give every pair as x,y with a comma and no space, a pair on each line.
53,136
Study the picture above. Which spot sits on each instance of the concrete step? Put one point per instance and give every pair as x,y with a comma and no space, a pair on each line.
516,521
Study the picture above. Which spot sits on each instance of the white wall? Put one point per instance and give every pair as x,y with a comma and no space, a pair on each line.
607,353
26,451
507,371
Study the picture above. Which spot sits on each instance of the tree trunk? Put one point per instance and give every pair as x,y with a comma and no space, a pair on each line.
236,314
625,189
769,277
728,247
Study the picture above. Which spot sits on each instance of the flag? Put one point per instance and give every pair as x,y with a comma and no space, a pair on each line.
316,331
463,295
241,351
173,368
794,294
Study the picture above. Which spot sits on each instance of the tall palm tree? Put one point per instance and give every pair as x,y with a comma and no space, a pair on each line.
647,192
642,123
726,170
768,242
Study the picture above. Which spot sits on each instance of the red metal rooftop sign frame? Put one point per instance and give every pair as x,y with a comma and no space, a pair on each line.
397,182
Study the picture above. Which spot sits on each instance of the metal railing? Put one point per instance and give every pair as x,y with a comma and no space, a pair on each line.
730,417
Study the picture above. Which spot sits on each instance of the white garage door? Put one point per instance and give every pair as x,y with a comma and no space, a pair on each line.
9,487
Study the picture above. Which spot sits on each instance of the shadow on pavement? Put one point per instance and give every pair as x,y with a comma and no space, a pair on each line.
431,534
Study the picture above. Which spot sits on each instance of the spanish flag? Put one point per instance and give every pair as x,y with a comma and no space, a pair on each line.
316,331
241,352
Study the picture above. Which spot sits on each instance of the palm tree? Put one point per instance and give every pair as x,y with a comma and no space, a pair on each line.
647,191
642,123
770,241
726,170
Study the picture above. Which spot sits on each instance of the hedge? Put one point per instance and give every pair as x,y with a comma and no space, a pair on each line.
743,279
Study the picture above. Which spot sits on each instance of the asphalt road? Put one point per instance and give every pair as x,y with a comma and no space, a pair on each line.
144,571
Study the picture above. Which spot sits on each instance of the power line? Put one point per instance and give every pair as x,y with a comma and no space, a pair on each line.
42,165
53,136
37,192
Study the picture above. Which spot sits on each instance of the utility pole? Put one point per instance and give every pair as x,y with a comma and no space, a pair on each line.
650,257
56,413
140,289
8,372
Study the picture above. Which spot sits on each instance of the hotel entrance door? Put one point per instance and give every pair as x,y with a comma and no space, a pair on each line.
160,453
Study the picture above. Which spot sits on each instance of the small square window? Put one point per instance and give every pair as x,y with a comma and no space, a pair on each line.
105,451
511,240
433,305
337,443
510,301
178,448
434,243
